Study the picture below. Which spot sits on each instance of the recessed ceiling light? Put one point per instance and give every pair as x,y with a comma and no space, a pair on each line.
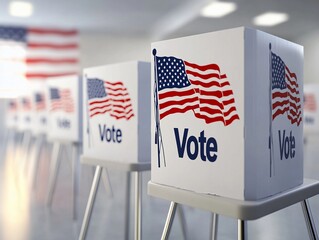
20,9
218,9
270,19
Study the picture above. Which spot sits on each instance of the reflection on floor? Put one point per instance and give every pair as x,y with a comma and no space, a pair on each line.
25,216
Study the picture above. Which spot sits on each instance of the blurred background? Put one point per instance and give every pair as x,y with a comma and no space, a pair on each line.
98,32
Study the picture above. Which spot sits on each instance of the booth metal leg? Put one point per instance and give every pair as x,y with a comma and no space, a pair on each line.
309,220
182,219
169,221
54,168
138,209
242,230
76,171
90,204
214,227
35,163
127,206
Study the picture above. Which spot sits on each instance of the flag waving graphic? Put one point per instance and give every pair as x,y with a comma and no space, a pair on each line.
109,97
184,86
285,91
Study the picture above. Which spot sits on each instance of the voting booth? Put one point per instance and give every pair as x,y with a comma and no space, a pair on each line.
12,113
116,129
64,99
311,113
228,114
26,110
39,101
116,112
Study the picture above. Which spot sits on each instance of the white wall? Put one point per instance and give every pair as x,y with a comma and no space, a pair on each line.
100,49
311,51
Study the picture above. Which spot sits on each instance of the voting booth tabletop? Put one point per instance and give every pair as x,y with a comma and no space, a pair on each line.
238,209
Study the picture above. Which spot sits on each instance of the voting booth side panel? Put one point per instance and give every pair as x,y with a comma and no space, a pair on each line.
144,111
273,115
198,113
311,113
64,109
111,112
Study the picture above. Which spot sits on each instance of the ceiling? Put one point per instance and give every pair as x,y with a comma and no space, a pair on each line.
163,18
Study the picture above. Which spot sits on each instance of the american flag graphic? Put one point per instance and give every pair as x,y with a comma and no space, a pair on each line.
39,101
40,53
285,91
184,86
310,104
109,97
61,100
26,104
12,105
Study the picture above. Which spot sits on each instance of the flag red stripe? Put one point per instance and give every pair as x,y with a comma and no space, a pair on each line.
212,102
47,75
100,107
176,94
54,46
205,76
51,60
208,84
203,67
177,110
293,75
52,31
99,112
177,102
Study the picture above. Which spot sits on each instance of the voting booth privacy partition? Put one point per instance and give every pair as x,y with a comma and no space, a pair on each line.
311,113
64,101
39,103
26,110
12,113
116,112
228,114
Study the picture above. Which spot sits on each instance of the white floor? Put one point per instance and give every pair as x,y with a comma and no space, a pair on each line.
25,216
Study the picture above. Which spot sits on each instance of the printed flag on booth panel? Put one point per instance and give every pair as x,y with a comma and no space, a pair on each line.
310,104
109,97
203,89
61,100
39,53
285,91
40,102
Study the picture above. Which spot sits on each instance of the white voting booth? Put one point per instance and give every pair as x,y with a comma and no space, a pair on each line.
311,110
64,101
11,123
38,125
228,118
116,122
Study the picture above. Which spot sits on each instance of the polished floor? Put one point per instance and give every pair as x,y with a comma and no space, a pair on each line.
24,214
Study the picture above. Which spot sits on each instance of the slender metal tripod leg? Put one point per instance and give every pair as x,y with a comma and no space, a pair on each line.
242,230
127,206
34,175
55,162
138,209
169,221
182,219
309,220
76,171
214,227
90,204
